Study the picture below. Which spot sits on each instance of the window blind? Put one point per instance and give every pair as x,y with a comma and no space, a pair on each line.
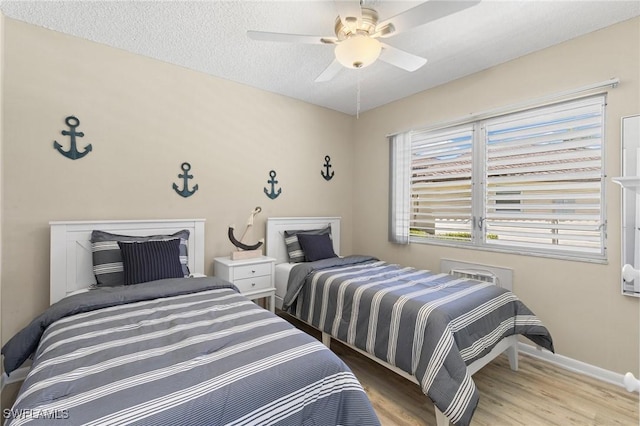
441,173
399,187
529,182
544,179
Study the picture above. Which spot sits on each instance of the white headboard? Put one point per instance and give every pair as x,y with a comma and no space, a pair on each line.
277,225
71,258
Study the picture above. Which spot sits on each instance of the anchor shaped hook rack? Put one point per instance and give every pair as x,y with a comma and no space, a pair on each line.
185,176
273,194
327,165
73,152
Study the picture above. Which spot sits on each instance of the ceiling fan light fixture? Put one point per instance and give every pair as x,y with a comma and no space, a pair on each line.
358,51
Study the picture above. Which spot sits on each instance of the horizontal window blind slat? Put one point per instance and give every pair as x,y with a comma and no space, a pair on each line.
525,207
501,215
550,131
443,184
549,186
418,138
595,237
547,226
575,158
441,172
441,238
432,166
547,168
444,212
461,177
440,230
493,197
442,215
549,177
439,193
497,151
440,149
425,202
457,161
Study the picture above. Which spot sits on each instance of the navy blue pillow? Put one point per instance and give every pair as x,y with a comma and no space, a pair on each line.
107,259
316,247
150,260
293,245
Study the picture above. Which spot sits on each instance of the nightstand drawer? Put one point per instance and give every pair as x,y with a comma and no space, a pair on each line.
255,283
252,276
248,271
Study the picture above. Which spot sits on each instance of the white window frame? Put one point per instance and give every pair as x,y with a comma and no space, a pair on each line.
479,194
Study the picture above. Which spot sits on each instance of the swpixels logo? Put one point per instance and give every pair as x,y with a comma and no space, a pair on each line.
35,414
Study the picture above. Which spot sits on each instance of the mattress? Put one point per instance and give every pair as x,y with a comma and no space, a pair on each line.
282,278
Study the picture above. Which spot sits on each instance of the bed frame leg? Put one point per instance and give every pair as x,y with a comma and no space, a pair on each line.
441,419
326,339
512,353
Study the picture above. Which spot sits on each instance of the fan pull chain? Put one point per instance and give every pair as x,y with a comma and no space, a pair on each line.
358,95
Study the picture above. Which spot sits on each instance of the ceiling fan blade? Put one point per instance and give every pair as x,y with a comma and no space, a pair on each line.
349,12
331,71
290,38
423,13
401,59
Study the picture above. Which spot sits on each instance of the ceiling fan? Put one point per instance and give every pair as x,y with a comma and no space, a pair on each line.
358,32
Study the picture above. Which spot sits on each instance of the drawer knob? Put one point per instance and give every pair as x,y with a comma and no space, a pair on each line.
253,284
253,272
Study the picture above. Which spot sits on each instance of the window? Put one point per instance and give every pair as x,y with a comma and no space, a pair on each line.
441,170
527,182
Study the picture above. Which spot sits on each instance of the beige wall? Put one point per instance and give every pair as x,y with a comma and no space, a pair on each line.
143,119
580,302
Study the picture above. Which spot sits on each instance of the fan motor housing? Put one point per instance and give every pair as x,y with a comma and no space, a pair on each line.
368,22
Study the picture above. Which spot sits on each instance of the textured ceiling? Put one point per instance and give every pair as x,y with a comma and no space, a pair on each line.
210,36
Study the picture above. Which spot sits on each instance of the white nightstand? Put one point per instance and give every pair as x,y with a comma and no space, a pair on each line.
254,277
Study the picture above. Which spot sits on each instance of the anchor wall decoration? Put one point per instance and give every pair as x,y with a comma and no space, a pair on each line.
243,250
185,176
326,175
73,152
273,194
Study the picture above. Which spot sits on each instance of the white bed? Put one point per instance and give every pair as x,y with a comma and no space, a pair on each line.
204,346
276,248
71,257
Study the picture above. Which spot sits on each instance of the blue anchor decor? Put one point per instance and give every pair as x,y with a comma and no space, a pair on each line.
273,194
326,175
185,176
73,152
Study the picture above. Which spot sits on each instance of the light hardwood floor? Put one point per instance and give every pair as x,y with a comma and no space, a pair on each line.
539,393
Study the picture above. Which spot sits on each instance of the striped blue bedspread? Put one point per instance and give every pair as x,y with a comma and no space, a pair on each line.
197,353
429,325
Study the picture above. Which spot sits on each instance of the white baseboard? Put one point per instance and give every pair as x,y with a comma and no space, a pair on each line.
573,365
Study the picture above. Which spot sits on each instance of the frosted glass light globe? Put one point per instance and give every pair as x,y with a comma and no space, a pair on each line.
358,51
